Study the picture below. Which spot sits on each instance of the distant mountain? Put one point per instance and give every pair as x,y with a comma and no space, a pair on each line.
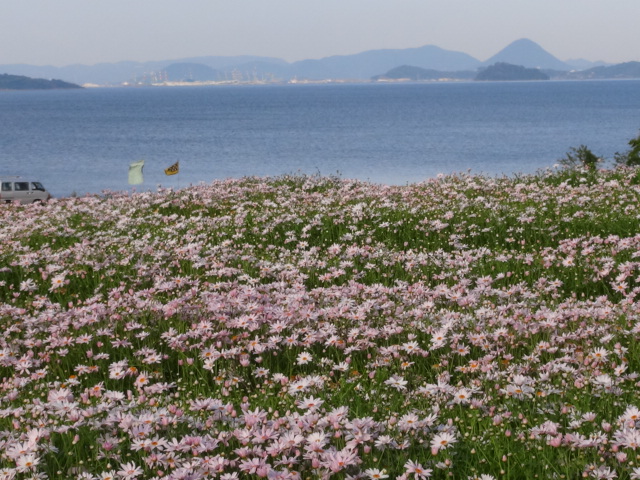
621,71
361,66
367,64
582,64
120,72
406,72
19,82
242,68
258,70
223,63
528,54
189,72
352,67
506,72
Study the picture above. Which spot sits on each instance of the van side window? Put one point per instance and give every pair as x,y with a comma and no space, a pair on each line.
7,186
37,186
22,186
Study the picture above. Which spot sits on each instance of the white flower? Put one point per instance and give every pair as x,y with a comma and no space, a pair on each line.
304,358
27,462
142,379
442,441
28,285
397,382
129,470
375,474
311,403
462,395
57,282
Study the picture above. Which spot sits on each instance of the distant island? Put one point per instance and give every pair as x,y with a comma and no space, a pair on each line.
502,71
619,71
417,74
19,82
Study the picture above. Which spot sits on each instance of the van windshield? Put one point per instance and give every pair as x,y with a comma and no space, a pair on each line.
37,186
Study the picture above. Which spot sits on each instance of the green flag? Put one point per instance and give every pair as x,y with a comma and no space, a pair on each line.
135,172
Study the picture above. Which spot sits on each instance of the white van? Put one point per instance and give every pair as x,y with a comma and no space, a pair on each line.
20,190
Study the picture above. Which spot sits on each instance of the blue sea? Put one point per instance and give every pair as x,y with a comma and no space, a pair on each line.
82,141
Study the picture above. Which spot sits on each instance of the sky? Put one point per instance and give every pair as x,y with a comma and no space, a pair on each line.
65,32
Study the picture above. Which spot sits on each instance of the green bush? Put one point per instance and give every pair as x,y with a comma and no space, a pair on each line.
580,157
632,157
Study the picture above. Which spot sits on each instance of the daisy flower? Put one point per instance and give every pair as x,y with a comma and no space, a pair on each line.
419,472
129,470
397,382
304,358
375,474
57,282
27,462
442,441
142,379
310,403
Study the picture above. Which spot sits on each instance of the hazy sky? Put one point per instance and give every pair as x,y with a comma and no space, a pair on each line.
63,32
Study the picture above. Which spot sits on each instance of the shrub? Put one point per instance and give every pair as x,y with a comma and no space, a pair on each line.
632,157
580,157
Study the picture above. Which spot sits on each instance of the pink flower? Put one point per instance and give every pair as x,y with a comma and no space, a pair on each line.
339,460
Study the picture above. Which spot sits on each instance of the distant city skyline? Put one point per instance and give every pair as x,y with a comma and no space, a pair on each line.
65,32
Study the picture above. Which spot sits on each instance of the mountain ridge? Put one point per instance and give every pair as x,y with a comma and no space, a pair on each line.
247,68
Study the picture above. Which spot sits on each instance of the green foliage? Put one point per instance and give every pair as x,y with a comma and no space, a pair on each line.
631,158
580,157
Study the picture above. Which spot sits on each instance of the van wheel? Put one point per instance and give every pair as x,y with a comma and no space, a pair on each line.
39,202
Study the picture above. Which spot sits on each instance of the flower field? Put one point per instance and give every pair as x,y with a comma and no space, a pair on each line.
306,327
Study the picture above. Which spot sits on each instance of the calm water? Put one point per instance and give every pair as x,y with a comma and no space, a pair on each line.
83,141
